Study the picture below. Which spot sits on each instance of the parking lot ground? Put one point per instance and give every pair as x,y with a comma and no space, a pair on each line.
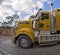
3,52
8,48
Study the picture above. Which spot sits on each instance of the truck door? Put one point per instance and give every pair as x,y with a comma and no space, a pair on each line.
45,21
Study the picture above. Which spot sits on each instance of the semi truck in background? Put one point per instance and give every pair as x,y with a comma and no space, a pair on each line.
43,29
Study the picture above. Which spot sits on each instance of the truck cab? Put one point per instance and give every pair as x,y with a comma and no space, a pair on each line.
43,29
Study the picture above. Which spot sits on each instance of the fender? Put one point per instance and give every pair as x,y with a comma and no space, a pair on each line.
26,31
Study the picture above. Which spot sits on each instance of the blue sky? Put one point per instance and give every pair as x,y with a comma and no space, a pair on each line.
56,4
24,8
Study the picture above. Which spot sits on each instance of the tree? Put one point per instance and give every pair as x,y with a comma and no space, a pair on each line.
10,19
16,18
13,20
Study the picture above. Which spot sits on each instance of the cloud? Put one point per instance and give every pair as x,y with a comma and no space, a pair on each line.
43,0
10,7
27,5
39,4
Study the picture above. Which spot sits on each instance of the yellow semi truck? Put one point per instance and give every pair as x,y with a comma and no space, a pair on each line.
43,29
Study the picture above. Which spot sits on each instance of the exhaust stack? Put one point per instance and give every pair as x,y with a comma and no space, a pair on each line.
38,15
53,20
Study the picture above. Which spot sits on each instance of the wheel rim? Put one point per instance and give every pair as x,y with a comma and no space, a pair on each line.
24,42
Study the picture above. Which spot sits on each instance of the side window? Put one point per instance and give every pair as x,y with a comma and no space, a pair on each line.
44,16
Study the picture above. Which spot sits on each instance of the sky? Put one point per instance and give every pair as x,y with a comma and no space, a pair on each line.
24,8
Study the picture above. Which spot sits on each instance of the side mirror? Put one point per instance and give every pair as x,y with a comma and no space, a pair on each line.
34,24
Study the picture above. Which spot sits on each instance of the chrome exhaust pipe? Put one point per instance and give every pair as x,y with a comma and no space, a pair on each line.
38,15
53,21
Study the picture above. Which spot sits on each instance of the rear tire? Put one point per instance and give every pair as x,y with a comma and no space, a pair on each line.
24,41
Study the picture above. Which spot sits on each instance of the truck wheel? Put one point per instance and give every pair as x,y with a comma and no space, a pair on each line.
24,41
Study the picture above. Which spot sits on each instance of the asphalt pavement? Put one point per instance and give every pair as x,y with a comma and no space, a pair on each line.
8,48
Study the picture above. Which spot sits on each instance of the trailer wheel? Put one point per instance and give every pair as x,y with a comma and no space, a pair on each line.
24,41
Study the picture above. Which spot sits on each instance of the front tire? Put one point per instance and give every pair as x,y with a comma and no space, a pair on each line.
24,41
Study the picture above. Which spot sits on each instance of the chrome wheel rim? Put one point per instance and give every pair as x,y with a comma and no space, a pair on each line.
24,42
